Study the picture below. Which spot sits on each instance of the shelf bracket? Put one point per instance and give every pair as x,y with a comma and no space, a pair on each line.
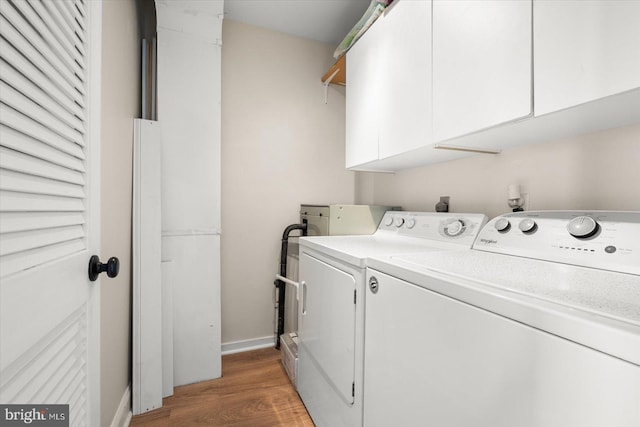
327,83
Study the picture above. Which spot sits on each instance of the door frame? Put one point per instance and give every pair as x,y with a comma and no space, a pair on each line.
94,105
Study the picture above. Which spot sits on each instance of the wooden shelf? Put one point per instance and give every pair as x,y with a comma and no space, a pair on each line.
341,77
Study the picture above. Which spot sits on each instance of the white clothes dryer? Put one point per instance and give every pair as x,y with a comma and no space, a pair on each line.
331,307
537,326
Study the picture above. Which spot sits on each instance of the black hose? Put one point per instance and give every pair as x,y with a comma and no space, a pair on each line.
280,285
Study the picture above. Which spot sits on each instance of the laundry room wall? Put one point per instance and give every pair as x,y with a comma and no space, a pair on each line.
281,146
588,172
120,104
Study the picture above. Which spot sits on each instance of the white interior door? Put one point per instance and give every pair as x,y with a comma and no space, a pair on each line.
189,93
49,204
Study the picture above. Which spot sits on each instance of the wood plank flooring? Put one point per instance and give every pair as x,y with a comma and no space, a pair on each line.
254,391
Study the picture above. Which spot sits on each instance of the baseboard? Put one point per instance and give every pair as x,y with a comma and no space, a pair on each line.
247,345
123,415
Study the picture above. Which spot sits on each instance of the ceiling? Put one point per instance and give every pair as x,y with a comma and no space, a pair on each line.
327,21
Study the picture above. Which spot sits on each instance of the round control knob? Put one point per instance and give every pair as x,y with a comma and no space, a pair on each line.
527,225
399,221
502,224
388,221
411,222
582,227
454,228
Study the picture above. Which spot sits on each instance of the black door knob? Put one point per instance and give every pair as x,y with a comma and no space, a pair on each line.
112,267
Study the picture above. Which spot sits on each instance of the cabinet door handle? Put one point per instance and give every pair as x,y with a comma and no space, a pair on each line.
304,297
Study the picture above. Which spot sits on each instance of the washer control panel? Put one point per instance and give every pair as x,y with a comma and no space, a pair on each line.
448,227
597,239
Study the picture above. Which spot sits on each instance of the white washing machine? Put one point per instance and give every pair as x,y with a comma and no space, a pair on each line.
331,304
537,325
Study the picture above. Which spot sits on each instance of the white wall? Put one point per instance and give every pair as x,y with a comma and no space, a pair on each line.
120,104
595,171
281,146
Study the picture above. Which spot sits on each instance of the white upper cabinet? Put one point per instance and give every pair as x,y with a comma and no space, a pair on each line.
584,50
432,81
363,77
389,85
482,53
405,94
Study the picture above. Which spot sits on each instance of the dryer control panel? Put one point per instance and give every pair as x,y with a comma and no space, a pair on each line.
597,239
449,227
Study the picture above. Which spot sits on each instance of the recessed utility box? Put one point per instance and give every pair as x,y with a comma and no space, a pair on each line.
338,220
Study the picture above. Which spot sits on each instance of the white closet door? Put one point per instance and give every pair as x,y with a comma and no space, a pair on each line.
189,93
49,204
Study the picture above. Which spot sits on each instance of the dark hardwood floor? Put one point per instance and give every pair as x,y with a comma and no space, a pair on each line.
254,391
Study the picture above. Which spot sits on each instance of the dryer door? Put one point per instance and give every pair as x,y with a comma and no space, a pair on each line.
327,324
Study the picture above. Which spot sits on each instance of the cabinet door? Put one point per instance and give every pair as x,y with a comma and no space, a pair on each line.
405,64
481,65
584,50
363,80
327,325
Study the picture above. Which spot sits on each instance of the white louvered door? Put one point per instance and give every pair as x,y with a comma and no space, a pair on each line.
49,204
